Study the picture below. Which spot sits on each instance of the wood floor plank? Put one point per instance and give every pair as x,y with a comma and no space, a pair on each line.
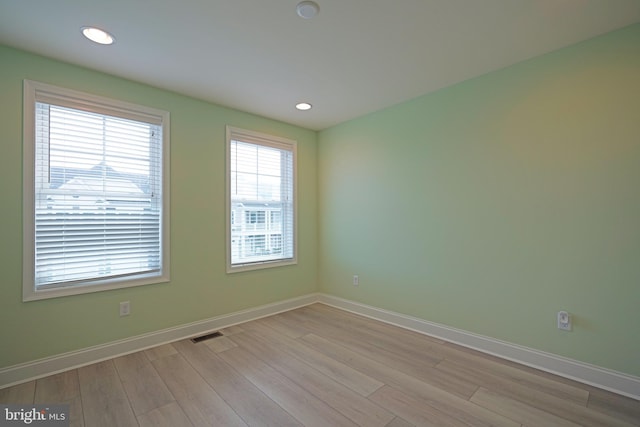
17,394
524,377
182,380
297,401
413,409
56,388
235,329
384,336
518,411
544,401
209,409
160,352
104,401
399,422
169,415
389,338
417,365
219,344
458,349
434,396
339,372
144,387
289,329
252,405
614,405
344,400
201,403
376,327
62,388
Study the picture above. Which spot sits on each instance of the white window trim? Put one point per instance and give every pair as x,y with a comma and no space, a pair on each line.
273,141
99,104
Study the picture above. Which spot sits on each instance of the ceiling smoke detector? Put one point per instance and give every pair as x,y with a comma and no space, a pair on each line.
307,9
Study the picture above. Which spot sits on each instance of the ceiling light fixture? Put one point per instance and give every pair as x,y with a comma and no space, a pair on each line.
97,35
303,106
307,9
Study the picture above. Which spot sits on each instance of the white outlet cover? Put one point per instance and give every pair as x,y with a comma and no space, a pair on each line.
564,321
125,308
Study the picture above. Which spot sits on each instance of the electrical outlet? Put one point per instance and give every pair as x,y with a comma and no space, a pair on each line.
356,280
125,308
564,321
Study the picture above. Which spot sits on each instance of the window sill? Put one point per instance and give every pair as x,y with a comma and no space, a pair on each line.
104,285
260,265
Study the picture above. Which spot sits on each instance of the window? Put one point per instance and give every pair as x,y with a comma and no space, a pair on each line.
276,218
95,193
276,242
254,217
261,202
255,245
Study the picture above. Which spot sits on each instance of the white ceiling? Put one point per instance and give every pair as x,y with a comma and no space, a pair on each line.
354,57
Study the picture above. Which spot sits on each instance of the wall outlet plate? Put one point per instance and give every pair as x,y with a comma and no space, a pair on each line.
564,321
125,308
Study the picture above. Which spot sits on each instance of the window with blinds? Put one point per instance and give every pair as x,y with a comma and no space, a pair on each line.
260,200
96,195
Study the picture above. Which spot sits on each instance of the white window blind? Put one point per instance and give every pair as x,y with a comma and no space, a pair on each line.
261,200
97,194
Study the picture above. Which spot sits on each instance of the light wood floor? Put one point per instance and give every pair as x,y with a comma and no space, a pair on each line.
320,366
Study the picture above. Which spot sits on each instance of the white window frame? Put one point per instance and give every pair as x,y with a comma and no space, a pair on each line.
39,92
237,134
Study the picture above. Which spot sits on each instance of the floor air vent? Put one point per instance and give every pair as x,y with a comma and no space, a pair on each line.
206,337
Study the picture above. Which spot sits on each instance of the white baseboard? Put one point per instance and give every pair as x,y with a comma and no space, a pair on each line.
63,362
607,379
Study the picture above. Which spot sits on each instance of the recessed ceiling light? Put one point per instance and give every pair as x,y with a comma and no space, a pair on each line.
97,35
307,9
303,106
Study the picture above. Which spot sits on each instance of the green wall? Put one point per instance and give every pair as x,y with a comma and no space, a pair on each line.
199,287
492,204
